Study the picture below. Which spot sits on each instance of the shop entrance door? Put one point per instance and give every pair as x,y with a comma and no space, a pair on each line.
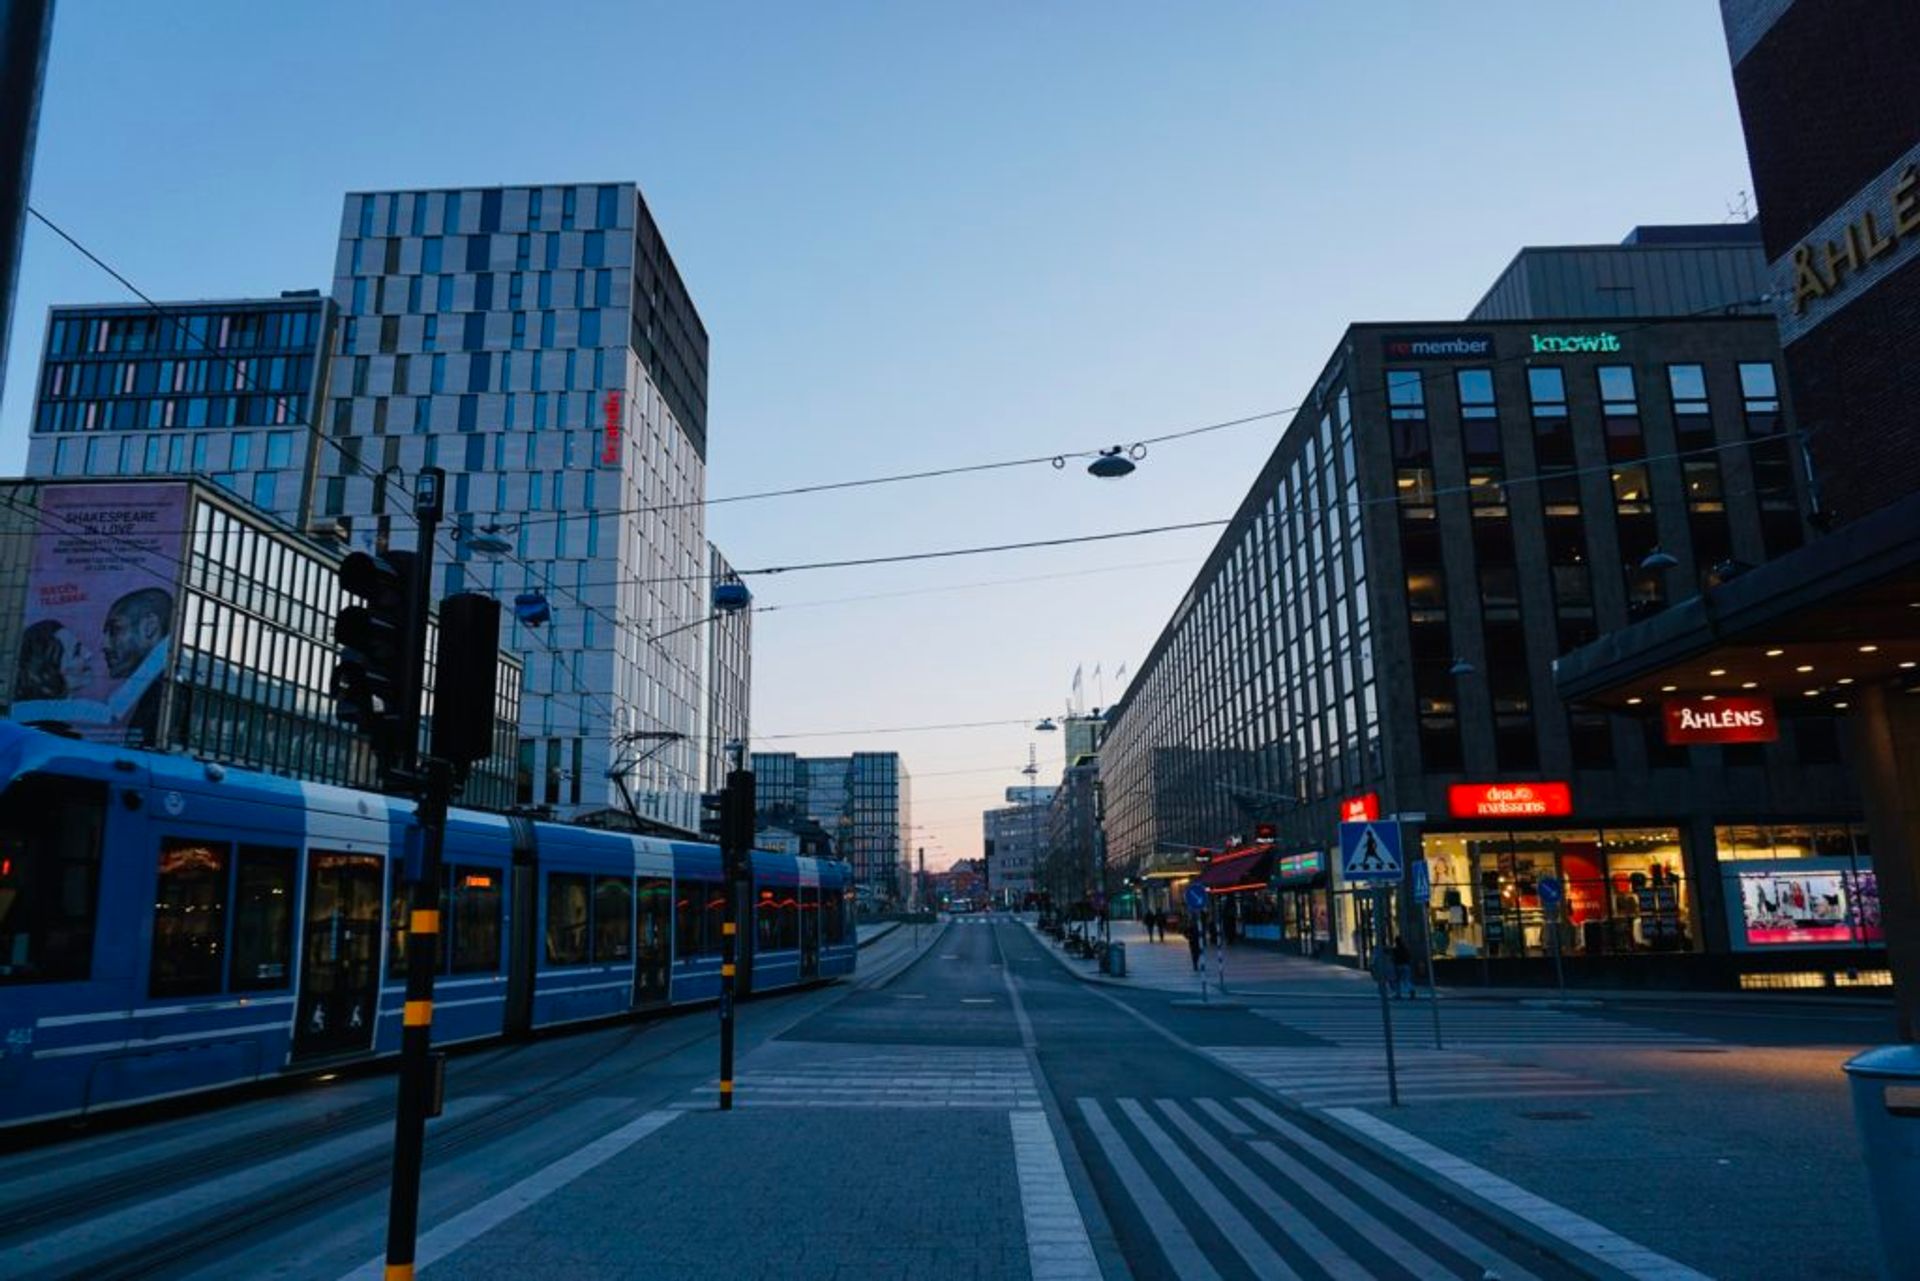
339,955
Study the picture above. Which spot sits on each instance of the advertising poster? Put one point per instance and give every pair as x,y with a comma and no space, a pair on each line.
101,591
1810,907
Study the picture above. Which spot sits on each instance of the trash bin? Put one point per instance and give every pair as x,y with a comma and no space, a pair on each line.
1886,1112
1117,960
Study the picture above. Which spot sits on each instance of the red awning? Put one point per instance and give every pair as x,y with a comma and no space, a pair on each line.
1244,869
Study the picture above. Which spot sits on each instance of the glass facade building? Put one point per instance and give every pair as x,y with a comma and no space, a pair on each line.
537,342
1452,508
227,391
863,801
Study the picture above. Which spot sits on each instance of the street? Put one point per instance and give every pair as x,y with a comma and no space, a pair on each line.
970,1107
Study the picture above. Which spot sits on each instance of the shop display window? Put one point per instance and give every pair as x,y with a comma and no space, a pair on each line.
1799,885
1621,890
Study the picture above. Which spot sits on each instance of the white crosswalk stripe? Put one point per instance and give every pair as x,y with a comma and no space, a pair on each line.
1323,1076
802,1074
1228,1185
1469,1023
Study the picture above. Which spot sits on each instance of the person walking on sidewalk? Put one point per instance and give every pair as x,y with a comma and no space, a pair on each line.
1193,941
1149,920
1402,969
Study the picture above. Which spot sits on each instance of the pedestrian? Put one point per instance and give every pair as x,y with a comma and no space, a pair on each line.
1402,969
1193,941
1156,926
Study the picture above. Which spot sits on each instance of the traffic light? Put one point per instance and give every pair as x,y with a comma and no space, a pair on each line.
466,678
372,681
730,819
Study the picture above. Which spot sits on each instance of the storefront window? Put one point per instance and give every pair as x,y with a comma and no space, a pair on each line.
1620,890
1799,885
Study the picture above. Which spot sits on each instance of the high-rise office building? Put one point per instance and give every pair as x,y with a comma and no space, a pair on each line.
538,344
227,391
863,801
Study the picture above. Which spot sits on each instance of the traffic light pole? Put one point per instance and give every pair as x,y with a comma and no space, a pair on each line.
736,846
420,1069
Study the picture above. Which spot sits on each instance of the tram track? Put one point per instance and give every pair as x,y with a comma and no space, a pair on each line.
192,1239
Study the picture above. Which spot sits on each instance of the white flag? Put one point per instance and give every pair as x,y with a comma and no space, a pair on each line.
1096,671
1121,675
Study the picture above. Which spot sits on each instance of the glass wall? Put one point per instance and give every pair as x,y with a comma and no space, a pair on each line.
1620,890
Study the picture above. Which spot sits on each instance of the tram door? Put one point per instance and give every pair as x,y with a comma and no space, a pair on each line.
809,932
339,955
653,956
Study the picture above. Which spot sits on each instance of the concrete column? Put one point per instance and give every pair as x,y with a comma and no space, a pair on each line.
1884,727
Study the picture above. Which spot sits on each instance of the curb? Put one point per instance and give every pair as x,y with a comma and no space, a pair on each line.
877,935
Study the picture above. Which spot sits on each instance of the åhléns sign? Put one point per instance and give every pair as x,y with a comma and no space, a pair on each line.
1720,720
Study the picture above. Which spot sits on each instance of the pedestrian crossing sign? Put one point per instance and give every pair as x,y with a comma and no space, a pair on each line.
1370,851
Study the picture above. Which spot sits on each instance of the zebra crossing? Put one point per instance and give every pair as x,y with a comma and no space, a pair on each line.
802,1074
1470,1023
1229,1186
1331,1076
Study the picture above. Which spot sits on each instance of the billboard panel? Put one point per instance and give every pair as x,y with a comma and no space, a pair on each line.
101,592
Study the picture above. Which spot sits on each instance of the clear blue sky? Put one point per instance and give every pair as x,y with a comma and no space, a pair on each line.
919,235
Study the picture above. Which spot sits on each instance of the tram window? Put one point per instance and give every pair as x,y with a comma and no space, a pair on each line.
262,919
189,918
400,910
789,897
567,914
49,878
476,919
612,918
830,923
714,940
766,916
688,912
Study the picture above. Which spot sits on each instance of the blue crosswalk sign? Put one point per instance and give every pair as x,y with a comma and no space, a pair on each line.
1370,851
1196,897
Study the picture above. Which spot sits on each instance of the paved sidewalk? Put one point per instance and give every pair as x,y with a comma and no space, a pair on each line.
1249,970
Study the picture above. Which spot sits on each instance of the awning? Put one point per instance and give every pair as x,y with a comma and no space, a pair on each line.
1239,870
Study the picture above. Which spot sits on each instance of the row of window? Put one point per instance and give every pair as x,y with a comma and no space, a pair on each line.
91,379
438,212
79,334
161,413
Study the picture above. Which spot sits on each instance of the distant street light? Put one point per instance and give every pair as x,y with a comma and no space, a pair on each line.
1658,559
1461,667
1046,725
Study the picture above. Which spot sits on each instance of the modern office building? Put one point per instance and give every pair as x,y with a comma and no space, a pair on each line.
863,801
726,676
1698,270
538,344
1074,868
168,614
1014,841
229,391
1454,507
1833,139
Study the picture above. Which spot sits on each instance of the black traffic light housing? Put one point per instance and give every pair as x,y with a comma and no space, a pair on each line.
374,681
466,678
730,820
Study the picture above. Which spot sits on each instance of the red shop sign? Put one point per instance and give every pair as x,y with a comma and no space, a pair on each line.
1363,808
1509,800
610,453
1721,720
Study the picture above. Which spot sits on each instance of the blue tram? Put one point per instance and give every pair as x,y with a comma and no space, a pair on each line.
170,926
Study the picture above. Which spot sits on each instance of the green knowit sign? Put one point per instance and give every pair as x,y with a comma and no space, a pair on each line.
1575,344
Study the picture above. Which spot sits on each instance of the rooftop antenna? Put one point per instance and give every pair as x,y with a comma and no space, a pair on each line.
1740,208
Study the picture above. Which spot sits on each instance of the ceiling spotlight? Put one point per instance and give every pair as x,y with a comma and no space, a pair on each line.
1775,653
1749,684
1844,680
1708,698
1668,689
1804,667
1907,666
1634,702
1869,649
1718,671
1840,705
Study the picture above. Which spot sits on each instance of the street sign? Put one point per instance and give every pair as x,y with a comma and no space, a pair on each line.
1370,851
1196,897
1422,882
1549,891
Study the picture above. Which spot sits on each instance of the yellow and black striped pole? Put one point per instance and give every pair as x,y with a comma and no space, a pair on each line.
418,1067
736,845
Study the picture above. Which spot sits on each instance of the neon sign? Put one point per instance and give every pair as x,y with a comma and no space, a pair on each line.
1363,808
1509,800
1722,720
1575,344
